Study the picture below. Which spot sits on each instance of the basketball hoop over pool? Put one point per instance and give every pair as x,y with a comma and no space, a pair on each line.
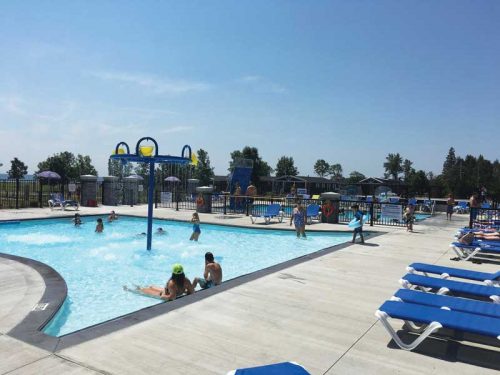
149,154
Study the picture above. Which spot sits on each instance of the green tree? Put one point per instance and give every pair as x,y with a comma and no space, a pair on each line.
451,174
67,165
17,169
286,167
203,171
119,169
393,165
321,168
335,171
260,167
418,183
355,177
407,169
142,169
83,165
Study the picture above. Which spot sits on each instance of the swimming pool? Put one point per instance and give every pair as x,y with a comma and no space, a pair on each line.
96,266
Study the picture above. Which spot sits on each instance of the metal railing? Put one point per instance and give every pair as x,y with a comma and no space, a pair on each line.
484,218
391,214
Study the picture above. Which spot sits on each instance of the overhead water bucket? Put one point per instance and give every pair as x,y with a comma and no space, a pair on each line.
146,151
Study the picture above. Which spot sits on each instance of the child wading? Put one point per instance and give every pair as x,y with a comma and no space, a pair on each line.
358,215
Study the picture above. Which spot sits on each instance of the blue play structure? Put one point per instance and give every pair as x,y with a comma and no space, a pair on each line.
241,175
149,154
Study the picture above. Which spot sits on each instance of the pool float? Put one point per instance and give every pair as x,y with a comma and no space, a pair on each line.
355,223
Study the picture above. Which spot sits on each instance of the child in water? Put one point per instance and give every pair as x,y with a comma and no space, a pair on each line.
100,226
196,227
77,220
299,220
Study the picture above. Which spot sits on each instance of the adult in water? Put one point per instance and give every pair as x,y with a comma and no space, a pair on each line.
177,285
212,275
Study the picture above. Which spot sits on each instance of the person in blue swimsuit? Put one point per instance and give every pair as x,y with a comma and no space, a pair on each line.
299,220
358,215
196,227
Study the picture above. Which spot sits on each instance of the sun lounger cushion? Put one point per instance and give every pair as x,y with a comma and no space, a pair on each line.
454,286
480,324
454,303
455,272
284,368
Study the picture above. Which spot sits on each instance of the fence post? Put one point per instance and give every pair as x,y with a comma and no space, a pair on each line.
39,193
176,203
156,198
225,202
247,205
17,193
371,213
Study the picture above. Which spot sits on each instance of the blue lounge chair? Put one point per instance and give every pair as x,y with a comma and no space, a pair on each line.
490,279
436,318
468,252
57,200
284,368
453,303
443,286
312,213
272,211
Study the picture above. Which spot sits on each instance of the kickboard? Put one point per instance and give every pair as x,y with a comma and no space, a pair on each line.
139,293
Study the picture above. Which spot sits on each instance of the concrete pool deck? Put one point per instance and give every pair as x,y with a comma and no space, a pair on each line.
319,313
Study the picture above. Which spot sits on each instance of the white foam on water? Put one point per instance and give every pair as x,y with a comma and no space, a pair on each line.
38,238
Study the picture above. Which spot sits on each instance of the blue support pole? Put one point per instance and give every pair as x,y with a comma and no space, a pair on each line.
151,189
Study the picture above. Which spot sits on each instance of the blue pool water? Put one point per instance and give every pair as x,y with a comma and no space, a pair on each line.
96,266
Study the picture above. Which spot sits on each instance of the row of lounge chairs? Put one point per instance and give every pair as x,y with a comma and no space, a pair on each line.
476,249
274,211
427,304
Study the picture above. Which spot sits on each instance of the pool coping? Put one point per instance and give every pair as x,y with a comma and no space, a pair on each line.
56,290
29,330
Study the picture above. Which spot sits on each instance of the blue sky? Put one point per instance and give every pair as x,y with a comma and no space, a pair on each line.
344,81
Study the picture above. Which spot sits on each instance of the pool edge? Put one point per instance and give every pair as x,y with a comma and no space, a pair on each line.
29,330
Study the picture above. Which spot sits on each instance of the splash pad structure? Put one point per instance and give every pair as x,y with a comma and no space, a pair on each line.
149,154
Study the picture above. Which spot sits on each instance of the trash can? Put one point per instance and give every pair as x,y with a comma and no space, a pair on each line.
204,199
88,185
330,207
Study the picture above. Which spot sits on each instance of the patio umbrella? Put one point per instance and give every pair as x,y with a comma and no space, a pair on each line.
172,179
136,176
49,175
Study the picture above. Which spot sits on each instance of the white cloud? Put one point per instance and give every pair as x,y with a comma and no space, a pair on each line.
176,129
155,84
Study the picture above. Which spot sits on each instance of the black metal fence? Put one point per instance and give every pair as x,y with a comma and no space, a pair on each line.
391,214
35,193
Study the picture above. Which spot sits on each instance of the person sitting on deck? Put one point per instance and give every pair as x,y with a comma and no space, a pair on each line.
177,285
212,275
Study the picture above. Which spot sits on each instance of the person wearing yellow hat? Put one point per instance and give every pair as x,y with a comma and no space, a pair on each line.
177,285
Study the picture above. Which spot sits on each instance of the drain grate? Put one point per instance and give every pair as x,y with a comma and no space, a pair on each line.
40,307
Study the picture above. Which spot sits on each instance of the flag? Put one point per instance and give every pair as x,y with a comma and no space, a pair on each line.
194,159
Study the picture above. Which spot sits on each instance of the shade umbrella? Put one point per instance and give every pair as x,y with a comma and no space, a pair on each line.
172,179
135,176
49,175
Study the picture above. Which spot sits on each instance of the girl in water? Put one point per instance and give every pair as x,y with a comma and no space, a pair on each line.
299,220
196,227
